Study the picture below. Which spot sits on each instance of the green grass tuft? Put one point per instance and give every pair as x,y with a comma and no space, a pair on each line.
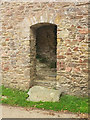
67,102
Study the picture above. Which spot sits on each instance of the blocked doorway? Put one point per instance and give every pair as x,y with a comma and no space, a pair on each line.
43,54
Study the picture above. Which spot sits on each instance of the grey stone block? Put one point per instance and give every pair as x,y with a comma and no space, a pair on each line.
38,93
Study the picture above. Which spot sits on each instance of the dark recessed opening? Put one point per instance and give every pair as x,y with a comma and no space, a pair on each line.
46,53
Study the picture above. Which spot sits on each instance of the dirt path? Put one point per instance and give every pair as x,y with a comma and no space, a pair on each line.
19,112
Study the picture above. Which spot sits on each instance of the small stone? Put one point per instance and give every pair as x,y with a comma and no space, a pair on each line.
7,39
79,27
9,13
85,61
83,31
3,44
6,68
80,60
76,69
75,49
68,69
61,57
21,8
86,70
10,27
78,16
69,53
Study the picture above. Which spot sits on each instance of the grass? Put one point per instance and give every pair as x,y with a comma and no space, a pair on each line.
67,102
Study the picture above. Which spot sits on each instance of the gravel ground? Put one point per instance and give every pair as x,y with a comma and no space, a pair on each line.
19,112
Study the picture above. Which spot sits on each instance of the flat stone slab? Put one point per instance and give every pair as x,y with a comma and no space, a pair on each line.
38,93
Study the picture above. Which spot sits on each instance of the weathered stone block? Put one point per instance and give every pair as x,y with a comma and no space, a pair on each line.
38,93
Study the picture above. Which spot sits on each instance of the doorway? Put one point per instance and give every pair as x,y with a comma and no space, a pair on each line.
44,54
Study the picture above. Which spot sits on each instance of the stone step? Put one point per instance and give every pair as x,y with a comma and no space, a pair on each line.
46,84
45,67
46,71
46,80
46,77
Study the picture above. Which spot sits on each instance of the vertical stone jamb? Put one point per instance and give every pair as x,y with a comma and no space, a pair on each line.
32,56
58,66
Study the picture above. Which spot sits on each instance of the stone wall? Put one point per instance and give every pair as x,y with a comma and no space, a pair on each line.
18,43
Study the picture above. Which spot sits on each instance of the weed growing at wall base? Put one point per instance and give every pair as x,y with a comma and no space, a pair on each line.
67,102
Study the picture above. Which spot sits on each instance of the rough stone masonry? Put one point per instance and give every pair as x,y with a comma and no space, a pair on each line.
19,22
